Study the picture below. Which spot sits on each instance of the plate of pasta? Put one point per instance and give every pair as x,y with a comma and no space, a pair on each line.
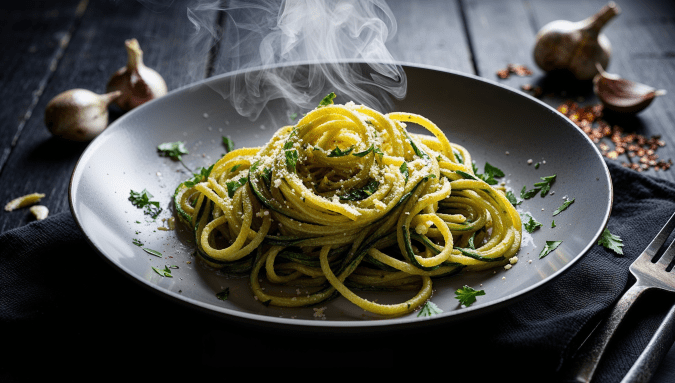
463,197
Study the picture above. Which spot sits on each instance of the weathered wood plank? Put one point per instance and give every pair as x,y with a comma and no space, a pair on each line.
33,39
431,33
643,43
42,163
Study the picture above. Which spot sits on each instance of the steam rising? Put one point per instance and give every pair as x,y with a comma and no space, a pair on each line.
270,34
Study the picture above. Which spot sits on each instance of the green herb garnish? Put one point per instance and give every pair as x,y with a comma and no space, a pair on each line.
339,153
363,153
137,242
328,100
362,193
544,186
563,207
232,186
163,272
172,149
229,144
467,295
611,241
429,309
153,252
512,198
291,159
550,246
223,295
417,151
531,224
201,175
489,173
404,170
142,201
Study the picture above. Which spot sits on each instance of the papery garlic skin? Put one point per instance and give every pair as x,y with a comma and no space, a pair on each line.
575,46
137,82
78,114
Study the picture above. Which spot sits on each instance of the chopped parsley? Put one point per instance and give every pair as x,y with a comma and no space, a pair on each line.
153,252
137,242
489,173
429,309
172,149
142,201
232,186
166,272
223,295
328,100
417,151
363,153
544,187
531,224
467,295
339,153
293,116
512,198
550,246
611,241
563,207
229,144
404,170
201,175
291,159
552,224
362,193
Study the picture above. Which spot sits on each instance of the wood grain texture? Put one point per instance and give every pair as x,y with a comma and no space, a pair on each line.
33,41
42,163
431,33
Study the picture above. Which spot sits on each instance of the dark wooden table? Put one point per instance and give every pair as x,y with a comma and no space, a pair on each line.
53,46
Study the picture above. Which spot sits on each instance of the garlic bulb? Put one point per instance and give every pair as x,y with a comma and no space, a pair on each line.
575,46
78,114
138,83
621,95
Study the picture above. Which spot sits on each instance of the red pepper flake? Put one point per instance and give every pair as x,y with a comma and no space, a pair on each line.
518,70
589,120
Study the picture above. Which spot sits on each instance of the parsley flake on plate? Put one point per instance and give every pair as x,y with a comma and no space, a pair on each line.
544,186
550,246
532,224
563,206
467,295
229,144
173,150
142,201
429,309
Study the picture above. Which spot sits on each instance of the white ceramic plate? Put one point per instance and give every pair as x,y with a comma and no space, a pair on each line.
496,124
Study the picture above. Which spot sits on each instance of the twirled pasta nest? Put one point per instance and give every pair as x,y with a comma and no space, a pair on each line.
346,200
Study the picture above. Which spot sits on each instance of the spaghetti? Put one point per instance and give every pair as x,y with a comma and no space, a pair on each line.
345,200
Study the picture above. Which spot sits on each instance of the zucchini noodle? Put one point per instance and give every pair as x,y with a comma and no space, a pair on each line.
348,200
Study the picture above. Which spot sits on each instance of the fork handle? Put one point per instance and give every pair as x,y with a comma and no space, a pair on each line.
656,350
589,354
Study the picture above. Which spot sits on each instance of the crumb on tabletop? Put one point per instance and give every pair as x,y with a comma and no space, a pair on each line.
39,211
23,201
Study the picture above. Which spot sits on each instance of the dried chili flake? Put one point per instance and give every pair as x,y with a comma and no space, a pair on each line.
633,145
518,70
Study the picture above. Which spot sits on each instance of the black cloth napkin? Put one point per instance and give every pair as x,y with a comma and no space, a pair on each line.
64,309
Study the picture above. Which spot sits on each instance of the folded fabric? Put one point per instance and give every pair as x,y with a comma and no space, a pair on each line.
63,306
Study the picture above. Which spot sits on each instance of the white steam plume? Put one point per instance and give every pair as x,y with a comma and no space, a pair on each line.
332,35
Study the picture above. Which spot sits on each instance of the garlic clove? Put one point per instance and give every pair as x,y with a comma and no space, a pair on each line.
137,82
575,46
78,114
621,95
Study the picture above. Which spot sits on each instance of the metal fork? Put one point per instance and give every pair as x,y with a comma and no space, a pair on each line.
649,274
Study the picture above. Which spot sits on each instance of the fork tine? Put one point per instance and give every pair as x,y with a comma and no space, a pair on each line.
660,238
